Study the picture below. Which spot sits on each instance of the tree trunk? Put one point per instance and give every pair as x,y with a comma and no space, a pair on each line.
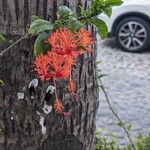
24,124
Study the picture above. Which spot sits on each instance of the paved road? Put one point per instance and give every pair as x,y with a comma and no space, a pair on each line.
128,86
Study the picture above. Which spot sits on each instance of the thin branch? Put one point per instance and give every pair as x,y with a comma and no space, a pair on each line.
89,16
4,51
116,115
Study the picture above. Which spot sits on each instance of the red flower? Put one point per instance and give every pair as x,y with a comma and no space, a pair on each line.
64,42
60,66
58,106
86,39
53,65
41,64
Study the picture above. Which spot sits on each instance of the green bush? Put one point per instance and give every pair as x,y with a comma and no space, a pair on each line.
102,143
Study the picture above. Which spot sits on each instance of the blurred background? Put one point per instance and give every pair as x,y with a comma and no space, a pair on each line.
125,58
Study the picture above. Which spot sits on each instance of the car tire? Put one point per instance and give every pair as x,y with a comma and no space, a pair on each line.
133,34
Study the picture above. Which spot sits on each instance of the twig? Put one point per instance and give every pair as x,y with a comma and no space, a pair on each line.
89,16
4,51
116,115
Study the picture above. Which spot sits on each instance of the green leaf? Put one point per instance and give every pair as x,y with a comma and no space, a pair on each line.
2,38
39,26
97,133
67,18
64,12
120,124
139,145
34,17
107,11
101,27
39,45
98,62
99,2
114,2
73,23
129,127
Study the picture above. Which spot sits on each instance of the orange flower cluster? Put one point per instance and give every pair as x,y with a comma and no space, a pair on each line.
64,42
57,63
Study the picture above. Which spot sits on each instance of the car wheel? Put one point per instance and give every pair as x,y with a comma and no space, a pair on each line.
133,34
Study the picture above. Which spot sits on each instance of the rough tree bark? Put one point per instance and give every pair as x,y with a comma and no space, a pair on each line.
23,123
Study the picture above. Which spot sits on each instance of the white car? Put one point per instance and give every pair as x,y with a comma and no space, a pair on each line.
130,24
